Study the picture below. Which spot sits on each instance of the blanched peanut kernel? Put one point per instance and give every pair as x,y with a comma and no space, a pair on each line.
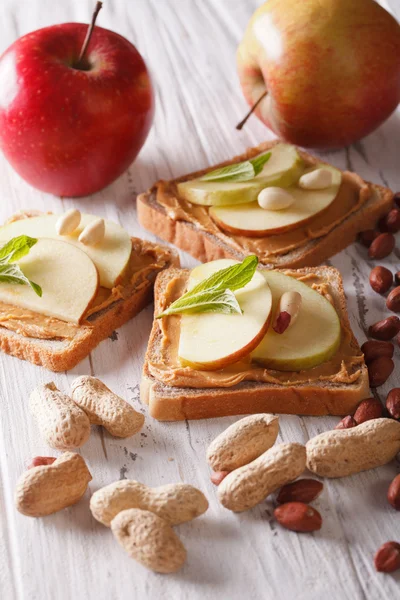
319,179
274,198
68,222
93,233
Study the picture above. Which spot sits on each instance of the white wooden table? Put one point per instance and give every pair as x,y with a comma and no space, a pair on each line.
190,47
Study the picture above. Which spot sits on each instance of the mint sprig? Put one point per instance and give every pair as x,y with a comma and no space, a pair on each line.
243,171
12,251
16,248
215,294
205,301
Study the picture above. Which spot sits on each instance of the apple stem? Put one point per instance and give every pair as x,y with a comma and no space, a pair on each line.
81,63
240,125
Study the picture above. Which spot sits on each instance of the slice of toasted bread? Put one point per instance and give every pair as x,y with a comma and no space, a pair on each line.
316,397
62,354
206,245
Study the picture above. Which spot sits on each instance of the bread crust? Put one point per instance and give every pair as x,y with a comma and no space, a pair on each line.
63,355
250,398
206,246
168,403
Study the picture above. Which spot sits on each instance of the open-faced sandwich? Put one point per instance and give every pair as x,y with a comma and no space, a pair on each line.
68,281
230,339
275,201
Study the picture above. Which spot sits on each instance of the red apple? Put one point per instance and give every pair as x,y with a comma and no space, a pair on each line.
331,69
72,129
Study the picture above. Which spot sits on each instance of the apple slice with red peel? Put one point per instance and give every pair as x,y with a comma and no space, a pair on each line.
210,341
252,220
311,340
282,169
68,278
111,256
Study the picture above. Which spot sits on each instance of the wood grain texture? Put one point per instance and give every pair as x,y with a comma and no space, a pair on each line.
189,46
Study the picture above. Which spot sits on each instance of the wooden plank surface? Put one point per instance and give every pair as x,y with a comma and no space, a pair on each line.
189,46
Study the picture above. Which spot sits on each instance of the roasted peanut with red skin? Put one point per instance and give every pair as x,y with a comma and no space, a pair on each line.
379,371
382,246
288,310
387,558
397,278
367,237
368,409
346,423
394,493
381,279
386,329
391,222
393,300
298,516
39,461
218,476
302,490
396,199
393,403
282,322
374,349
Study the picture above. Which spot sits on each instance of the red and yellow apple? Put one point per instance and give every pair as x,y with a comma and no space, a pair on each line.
71,128
331,69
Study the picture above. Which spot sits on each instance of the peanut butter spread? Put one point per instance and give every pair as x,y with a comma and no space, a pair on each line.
344,367
145,262
353,193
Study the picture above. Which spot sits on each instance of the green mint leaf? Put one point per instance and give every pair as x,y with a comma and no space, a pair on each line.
215,294
36,288
259,162
206,301
16,248
10,273
234,277
12,251
243,171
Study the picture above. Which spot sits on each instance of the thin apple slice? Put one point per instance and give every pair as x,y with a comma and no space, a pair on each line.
312,339
210,341
67,276
254,221
111,256
282,169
